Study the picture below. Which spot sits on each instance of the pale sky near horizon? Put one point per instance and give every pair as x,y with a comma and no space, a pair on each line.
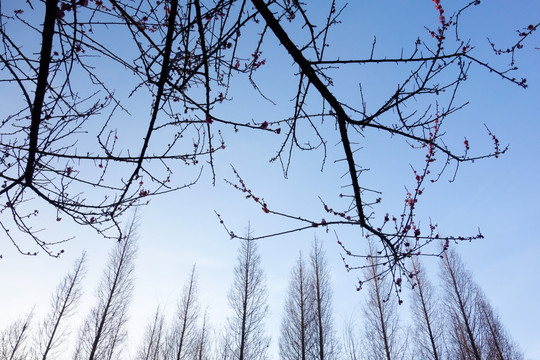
499,196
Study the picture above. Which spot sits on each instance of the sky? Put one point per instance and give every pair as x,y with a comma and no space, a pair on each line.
498,196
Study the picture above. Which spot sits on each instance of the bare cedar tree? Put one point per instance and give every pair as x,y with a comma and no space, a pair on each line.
153,343
53,332
460,293
296,337
202,345
428,330
352,345
14,339
326,346
307,329
383,338
245,335
475,330
104,331
182,339
499,344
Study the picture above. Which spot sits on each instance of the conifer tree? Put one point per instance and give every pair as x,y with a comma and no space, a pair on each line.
307,326
104,331
296,337
14,339
383,337
326,346
183,336
460,292
245,336
53,332
475,329
152,346
426,316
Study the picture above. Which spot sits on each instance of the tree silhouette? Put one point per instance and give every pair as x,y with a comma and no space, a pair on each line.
499,343
245,335
296,333
182,341
326,346
461,293
14,339
103,332
383,335
52,332
474,328
66,145
152,346
307,325
428,326
203,343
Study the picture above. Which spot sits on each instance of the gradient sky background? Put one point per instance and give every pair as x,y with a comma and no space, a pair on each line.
499,196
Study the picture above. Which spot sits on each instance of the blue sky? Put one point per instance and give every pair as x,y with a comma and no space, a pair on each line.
499,196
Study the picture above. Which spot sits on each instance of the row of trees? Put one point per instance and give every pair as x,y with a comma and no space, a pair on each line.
103,331
307,329
456,322
463,326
